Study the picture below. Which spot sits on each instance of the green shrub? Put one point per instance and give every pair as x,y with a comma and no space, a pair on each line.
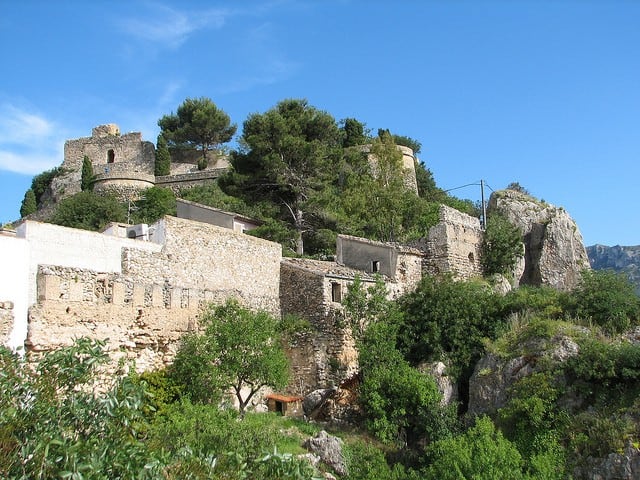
607,299
501,246
89,211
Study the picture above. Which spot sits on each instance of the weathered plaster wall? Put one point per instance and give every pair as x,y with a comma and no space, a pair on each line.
454,245
69,247
14,290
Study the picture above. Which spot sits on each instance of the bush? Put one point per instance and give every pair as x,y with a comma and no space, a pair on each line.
482,453
89,211
448,320
501,246
607,299
156,202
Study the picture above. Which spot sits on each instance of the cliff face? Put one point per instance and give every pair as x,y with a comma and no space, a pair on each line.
620,259
554,251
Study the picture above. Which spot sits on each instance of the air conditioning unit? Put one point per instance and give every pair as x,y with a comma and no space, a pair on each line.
138,232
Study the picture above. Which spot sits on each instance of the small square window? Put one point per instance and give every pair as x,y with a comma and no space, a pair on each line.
375,266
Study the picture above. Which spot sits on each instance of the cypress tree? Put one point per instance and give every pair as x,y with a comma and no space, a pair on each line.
29,205
163,157
86,182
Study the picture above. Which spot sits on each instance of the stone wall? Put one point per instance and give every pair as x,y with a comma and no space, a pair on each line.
6,321
191,179
454,245
207,257
129,148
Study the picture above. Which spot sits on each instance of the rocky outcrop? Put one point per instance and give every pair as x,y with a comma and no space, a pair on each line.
494,376
619,259
554,251
616,466
329,449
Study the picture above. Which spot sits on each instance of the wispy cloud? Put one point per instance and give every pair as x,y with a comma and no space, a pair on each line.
29,143
169,27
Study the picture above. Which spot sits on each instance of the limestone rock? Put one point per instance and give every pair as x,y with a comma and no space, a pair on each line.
329,449
554,251
493,376
315,400
616,466
446,385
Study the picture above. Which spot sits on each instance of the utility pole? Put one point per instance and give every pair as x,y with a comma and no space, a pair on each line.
484,207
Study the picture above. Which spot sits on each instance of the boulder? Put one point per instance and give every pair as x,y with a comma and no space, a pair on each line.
554,250
314,401
329,449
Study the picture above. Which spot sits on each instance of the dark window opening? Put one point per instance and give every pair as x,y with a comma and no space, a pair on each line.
280,407
336,292
375,266
111,156
471,257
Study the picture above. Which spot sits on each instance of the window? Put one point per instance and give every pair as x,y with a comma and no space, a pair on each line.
471,257
111,156
375,266
336,292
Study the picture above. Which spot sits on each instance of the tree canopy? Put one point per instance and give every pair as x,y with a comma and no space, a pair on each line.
239,351
289,155
199,124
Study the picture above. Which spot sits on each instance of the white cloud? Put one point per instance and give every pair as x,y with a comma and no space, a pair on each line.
29,143
170,27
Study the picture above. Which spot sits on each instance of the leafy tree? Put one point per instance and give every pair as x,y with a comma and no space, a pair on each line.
239,351
482,453
29,204
288,156
198,124
378,199
89,211
606,298
87,179
501,245
53,425
163,157
155,203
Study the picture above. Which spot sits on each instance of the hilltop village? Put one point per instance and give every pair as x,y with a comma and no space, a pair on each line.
143,286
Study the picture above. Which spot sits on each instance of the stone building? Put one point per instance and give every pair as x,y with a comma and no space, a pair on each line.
215,216
454,245
314,290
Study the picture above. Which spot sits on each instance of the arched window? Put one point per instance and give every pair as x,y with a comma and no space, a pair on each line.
111,156
471,257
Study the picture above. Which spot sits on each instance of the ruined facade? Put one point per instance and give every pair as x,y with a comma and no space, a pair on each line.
325,355
454,245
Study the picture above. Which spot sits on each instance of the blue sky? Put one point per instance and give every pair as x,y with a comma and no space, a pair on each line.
545,93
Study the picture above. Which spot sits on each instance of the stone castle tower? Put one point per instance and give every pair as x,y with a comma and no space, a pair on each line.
122,164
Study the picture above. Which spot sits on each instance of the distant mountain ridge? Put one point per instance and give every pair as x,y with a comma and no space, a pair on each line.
620,259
